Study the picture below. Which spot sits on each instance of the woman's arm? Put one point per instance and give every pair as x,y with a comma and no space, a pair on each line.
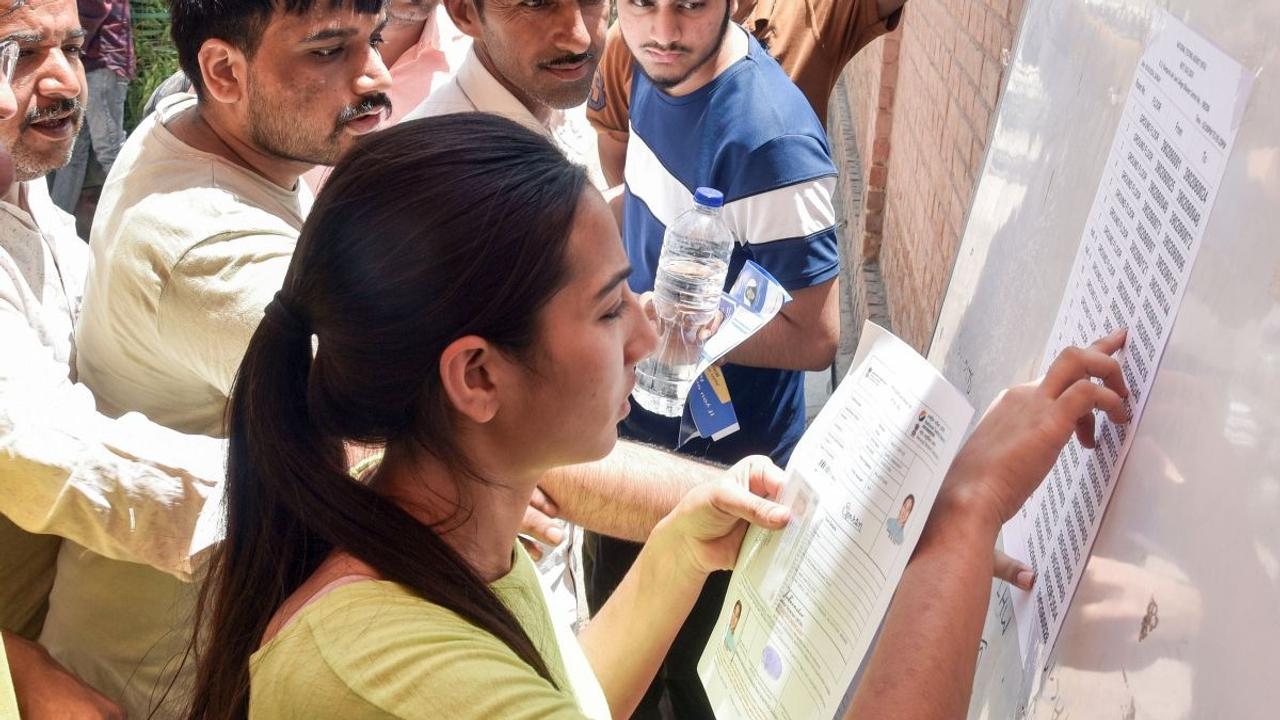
627,640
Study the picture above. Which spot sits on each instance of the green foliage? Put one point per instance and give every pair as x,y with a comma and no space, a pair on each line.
157,58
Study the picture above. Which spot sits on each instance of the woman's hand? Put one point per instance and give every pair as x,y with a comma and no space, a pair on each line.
707,527
1023,432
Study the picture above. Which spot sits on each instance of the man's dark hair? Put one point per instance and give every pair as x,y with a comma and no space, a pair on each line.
238,22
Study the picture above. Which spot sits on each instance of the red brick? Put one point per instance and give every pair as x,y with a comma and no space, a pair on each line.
876,179
880,151
980,115
875,223
886,97
991,73
923,99
969,57
892,47
977,20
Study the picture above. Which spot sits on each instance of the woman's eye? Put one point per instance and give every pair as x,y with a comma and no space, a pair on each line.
616,312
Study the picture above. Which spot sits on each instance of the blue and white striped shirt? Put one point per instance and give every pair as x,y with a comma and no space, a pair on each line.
751,134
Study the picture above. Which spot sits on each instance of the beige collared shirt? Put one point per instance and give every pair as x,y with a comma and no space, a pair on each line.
475,89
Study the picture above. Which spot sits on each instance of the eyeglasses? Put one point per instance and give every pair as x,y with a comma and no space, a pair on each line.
8,60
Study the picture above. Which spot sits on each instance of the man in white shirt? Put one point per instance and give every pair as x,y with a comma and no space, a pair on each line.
532,63
69,476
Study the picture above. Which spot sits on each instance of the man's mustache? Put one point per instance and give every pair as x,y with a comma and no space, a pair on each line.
65,106
673,47
364,107
569,59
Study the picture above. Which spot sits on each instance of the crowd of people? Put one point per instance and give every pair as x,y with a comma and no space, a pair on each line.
355,329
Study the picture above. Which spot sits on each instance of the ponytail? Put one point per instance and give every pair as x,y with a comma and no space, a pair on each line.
290,502
425,232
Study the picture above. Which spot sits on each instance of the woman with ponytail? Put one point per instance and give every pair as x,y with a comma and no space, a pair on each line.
458,296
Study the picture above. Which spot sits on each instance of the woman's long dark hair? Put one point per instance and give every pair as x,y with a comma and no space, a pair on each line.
426,232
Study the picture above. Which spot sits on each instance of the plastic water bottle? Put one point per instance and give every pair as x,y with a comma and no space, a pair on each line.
686,295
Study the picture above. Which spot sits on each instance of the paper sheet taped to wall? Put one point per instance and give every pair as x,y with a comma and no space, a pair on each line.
1139,245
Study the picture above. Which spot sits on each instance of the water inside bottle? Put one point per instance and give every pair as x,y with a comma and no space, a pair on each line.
686,299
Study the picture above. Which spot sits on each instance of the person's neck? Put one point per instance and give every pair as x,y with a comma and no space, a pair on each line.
400,35
17,196
537,109
479,520
209,131
733,48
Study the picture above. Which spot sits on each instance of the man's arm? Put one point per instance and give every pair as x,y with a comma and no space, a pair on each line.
615,196
803,336
125,488
42,688
612,146
608,109
627,493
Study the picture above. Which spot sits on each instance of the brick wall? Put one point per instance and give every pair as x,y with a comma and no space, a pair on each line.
923,99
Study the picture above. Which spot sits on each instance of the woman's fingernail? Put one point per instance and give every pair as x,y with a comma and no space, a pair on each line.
1026,578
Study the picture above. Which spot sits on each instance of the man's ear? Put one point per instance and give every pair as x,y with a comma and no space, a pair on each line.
223,68
469,368
465,15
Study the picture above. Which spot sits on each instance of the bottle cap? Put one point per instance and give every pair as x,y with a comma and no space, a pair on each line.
708,197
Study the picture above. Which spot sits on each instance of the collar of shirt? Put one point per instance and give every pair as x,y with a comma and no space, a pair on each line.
487,94
68,252
290,205
475,88
427,64
49,218
41,244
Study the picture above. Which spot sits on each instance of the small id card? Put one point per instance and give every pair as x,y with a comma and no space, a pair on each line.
711,406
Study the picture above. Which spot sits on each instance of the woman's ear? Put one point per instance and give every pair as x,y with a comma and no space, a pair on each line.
468,372
223,70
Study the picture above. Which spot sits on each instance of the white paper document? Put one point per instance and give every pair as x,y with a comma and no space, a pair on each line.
805,602
1135,258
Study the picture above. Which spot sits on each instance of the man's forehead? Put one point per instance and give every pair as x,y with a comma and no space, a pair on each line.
40,21
324,17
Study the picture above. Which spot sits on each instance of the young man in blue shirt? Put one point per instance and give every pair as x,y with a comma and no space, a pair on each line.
709,107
